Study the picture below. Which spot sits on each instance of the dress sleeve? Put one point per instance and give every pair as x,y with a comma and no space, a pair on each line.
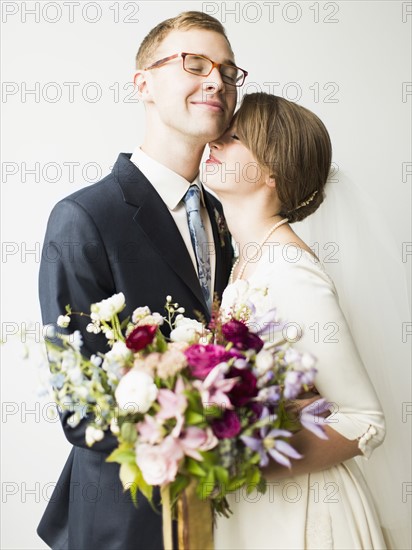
306,297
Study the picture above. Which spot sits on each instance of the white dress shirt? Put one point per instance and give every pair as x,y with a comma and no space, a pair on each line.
172,189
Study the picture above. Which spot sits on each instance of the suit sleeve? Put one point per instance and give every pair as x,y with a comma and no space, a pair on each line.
75,270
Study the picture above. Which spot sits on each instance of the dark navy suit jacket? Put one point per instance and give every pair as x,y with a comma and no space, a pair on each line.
114,236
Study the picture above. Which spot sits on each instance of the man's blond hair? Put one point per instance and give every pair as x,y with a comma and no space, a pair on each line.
183,22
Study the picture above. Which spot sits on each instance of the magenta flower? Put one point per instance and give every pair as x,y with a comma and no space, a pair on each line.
140,337
238,333
246,387
203,358
227,426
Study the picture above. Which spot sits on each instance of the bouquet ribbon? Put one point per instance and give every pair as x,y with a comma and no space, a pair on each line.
194,521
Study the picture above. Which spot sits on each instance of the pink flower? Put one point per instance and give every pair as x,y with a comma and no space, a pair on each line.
171,362
191,440
214,388
150,430
159,463
173,404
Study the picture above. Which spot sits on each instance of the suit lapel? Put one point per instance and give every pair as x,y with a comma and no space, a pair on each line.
156,222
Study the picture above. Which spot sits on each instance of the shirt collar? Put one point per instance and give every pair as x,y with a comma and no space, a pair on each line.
171,186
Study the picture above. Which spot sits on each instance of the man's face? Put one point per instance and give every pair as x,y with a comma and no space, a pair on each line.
184,104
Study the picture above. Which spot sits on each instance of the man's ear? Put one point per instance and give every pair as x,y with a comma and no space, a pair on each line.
141,83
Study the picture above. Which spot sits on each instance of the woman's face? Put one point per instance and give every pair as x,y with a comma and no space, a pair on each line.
231,167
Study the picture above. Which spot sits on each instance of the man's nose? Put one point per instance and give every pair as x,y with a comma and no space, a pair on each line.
214,81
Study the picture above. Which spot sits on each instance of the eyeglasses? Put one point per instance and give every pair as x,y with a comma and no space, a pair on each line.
203,66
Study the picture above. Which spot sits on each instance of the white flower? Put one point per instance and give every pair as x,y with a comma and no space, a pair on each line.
136,391
187,330
68,360
114,426
140,313
96,360
82,392
264,361
76,340
105,309
116,359
75,375
63,321
152,319
93,434
307,361
94,328
109,334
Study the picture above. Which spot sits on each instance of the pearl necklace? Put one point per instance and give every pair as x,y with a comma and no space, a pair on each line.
245,263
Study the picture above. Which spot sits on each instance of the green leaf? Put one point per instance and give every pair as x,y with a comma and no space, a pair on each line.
129,474
194,468
128,432
222,475
235,484
206,486
194,418
124,323
145,488
122,456
178,485
252,479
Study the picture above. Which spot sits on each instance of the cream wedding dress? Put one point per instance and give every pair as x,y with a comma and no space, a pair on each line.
331,509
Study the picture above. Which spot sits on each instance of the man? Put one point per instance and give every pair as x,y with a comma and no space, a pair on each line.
134,232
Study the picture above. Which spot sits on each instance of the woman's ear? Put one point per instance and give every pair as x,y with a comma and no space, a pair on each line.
271,182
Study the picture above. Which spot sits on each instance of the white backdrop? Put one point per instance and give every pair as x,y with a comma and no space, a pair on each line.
68,110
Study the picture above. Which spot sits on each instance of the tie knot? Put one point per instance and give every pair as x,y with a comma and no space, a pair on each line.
192,199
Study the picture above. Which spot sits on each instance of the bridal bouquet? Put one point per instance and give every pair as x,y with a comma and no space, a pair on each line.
205,407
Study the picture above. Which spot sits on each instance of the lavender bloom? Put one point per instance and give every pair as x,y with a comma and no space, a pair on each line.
267,444
311,420
270,395
293,384
267,323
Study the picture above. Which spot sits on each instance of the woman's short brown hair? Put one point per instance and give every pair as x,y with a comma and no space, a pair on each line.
293,144
183,22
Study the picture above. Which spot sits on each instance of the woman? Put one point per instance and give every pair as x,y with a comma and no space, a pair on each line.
269,170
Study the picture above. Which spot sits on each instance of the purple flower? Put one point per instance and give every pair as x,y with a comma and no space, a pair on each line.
311,420
202,359
268,324
267,444
293,384
227,426
238,333
245,389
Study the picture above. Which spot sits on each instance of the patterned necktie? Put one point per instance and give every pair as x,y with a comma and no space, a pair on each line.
199,240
